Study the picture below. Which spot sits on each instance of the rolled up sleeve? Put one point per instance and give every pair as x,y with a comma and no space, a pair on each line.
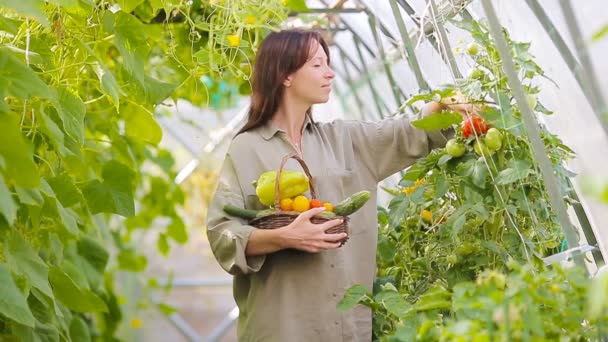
393,144
228,236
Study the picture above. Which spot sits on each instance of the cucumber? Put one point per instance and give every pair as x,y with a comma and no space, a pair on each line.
327,214
352,203
240,212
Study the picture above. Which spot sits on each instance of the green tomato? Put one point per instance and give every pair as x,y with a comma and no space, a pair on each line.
454,148
493,139
477,74
481,148
473,49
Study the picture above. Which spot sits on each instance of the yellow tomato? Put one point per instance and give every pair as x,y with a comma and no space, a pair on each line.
301,204
427,216
287,204
328,206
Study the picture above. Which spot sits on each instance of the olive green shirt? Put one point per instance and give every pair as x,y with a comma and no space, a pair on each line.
292,295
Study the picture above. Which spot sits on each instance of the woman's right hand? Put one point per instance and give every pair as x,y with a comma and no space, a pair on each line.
306,236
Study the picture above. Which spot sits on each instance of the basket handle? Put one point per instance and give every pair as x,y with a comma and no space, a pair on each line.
277,197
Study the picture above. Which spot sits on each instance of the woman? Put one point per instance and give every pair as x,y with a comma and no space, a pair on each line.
288,281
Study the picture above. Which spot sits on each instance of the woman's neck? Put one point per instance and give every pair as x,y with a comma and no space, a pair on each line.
290,117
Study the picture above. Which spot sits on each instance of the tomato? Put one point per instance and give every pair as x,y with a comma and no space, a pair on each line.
481,149
315,203
473,49
328,206
476,74
287,204
427,216
301,204
474,123
493,139
454,148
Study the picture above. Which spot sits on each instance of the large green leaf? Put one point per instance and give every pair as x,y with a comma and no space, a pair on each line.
128,260
154,91
13,304
517,170
71,111
29,196
54,132
394,302
437,121
28,8
94,253
8,208
18,79
131,40
398,210
115,194
19,164
10,25
66,192
140,124
79,331
75,298
24,261
352,297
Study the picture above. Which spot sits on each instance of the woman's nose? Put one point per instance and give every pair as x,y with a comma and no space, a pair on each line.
330,73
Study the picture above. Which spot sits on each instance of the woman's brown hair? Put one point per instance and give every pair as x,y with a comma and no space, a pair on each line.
280,54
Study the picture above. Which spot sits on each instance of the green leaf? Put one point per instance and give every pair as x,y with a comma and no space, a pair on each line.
29,196
24,261
437,121
18,79
8,208
94,253
129,5
52,130
140,124
177,231
296,5
75,298
397,210
127,260
12,302
71,111
166,309
435,298
10,25
79,331
155,91
76,274
518,170
600,34
20,168
479,173
115,194
163,244
394,303
352,297
66,192
28,8
131,41
68,218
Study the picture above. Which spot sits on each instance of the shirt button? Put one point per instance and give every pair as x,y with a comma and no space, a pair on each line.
337,323
332,265
335,295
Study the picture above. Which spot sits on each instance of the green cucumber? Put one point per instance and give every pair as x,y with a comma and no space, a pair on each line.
240,212
352,203
327,214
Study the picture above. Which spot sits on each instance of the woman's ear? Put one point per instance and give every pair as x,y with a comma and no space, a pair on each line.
287,81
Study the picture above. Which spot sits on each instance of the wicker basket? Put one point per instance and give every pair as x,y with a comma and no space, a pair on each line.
283,218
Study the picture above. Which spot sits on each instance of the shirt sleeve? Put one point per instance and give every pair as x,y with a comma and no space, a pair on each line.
228,236
393,144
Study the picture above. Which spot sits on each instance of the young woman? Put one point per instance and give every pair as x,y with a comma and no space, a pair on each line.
288,281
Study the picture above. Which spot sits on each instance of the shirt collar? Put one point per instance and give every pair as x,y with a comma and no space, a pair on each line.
269,130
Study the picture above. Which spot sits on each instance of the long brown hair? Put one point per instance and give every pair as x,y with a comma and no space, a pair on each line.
280,54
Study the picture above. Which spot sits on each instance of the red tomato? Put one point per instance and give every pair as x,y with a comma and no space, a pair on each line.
474,123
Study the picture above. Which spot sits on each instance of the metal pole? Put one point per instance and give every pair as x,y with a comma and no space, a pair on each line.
447,50
387,68
587,71
409,49
538,147
368,76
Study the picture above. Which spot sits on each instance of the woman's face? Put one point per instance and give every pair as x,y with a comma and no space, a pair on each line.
312,82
